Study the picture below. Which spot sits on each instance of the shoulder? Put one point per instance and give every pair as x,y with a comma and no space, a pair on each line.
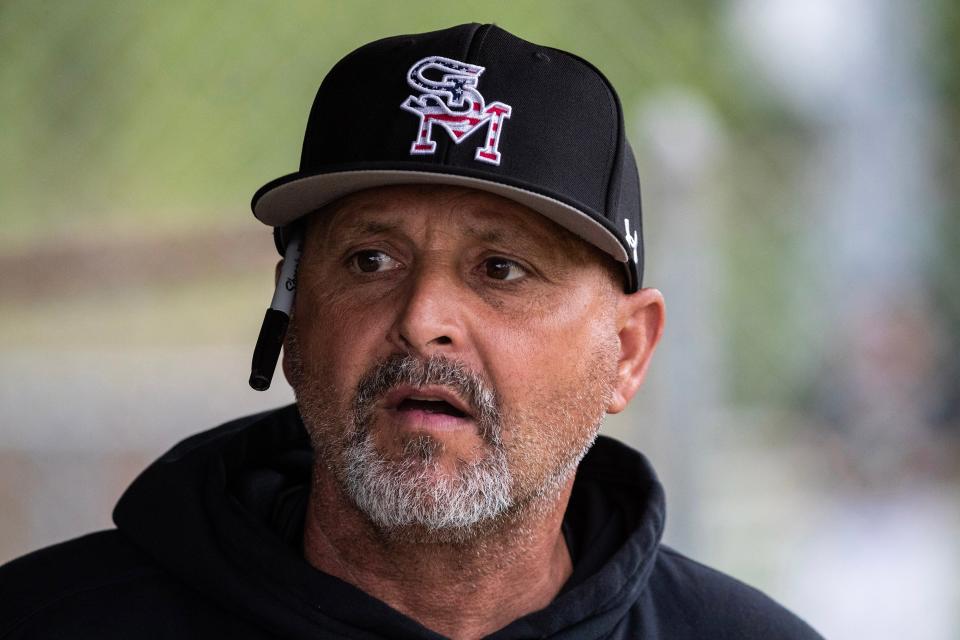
93,568
93,561
713,603
98,585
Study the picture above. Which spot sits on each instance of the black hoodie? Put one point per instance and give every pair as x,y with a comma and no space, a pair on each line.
207,545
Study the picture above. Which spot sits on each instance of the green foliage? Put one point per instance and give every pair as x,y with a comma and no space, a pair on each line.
120,109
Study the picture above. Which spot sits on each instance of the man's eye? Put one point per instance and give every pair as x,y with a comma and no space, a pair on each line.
371,261
503,269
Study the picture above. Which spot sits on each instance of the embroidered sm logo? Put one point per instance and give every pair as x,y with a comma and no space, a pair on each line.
454,103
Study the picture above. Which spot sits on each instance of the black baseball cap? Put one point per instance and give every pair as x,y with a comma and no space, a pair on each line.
474,106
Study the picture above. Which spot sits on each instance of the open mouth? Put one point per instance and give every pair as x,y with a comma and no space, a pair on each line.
434,400
430,406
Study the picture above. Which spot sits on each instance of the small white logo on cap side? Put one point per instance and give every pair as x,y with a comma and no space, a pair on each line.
453,102
632,239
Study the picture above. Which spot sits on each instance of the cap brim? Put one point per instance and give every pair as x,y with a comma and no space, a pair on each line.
293,197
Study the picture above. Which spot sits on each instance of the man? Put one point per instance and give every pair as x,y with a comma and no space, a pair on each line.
465,230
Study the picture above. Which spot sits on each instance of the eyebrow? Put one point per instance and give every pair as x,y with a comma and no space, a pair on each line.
372,226
486,235
351,223
500,233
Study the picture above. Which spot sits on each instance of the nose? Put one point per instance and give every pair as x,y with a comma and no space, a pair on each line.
429,317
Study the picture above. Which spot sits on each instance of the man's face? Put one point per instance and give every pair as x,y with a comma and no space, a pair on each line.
452,353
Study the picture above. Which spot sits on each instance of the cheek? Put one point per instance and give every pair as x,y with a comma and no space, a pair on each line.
556,363
339,335
554,414
553,345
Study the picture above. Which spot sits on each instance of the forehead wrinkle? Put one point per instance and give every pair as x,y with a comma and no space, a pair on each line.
350,218
372,226
348,225
366,218
460,212
488,222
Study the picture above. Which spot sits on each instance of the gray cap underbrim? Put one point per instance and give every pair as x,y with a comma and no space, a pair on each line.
286,202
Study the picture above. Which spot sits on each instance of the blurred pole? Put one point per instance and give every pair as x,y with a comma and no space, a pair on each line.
877,219
881,563
681,145
851,69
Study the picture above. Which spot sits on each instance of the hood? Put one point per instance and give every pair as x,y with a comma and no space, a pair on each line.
223,512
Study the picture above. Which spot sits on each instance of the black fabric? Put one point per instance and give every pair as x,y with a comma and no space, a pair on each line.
564,137
364,91
208,545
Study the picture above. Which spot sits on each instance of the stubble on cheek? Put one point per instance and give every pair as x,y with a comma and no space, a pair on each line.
315,389
548,436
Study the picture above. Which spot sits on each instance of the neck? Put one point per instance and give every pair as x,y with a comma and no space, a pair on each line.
463,590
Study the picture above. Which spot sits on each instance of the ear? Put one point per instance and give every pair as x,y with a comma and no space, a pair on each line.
640,318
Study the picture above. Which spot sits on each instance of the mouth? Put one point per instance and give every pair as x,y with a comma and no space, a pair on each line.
427,401
430,406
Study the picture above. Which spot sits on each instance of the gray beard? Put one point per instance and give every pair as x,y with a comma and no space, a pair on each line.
414,493
412,499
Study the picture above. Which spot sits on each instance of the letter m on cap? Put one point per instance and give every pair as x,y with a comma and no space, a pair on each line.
448,97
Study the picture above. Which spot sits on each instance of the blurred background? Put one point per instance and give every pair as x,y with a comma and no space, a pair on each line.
800,162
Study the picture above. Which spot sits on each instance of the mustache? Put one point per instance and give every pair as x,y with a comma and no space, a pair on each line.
437,370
